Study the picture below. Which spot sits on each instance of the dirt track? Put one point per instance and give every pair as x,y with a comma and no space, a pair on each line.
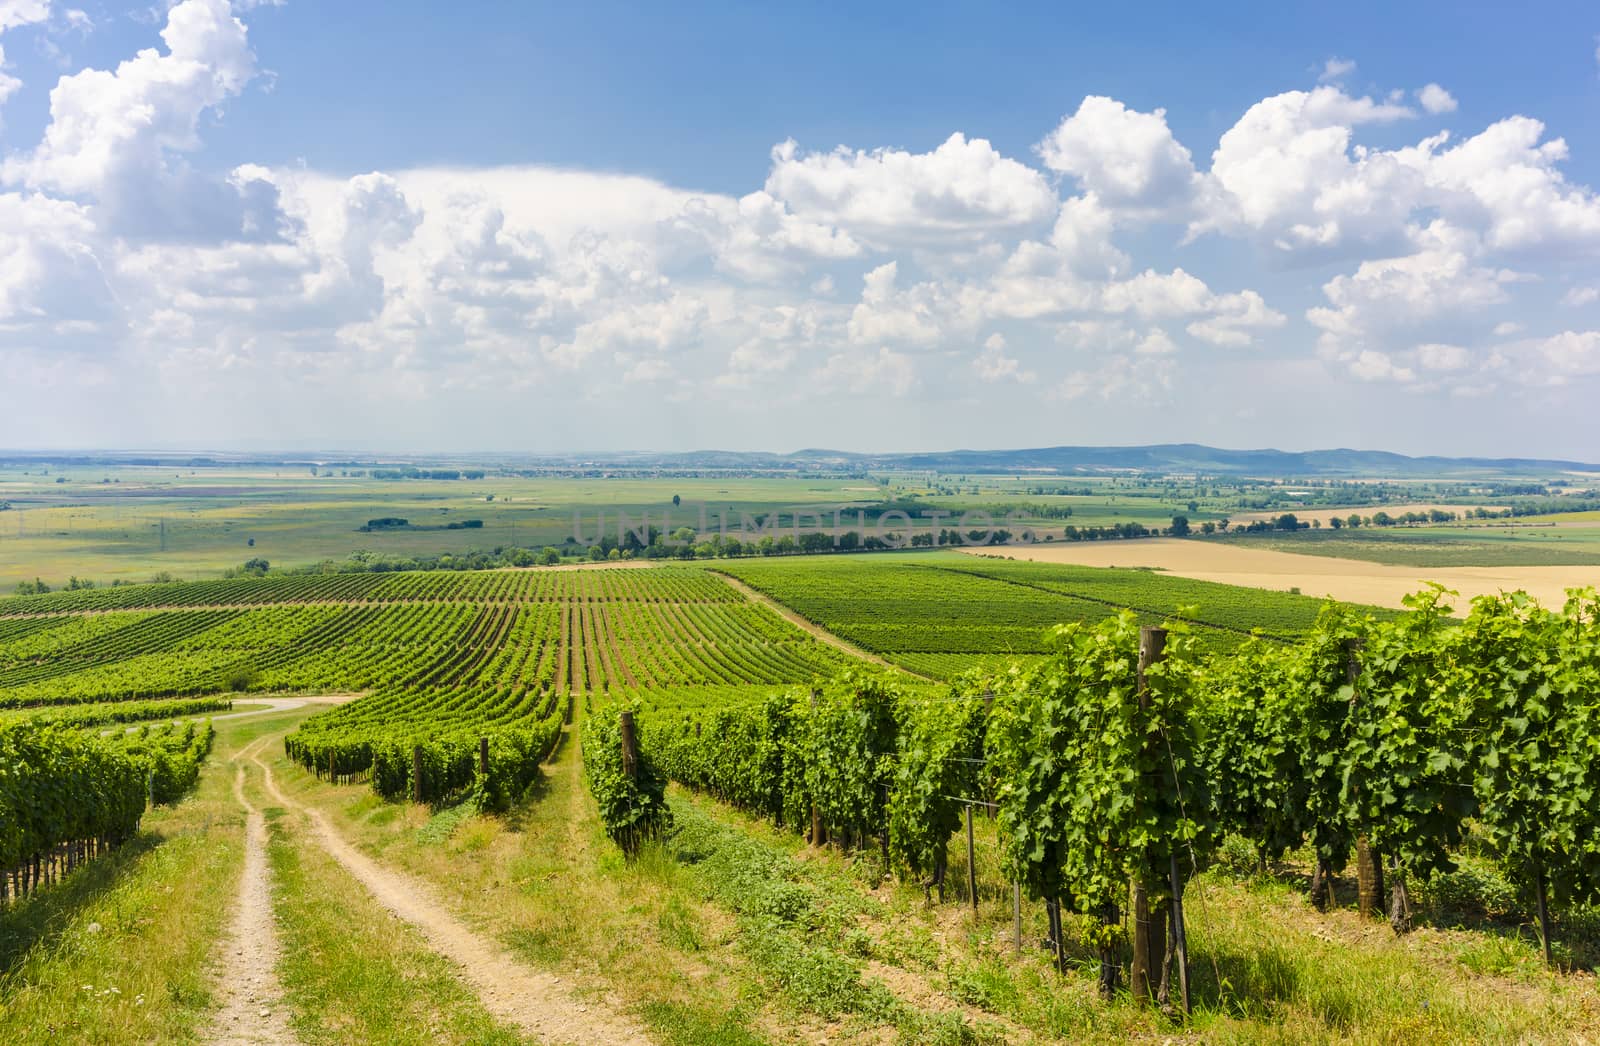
252,1010
1350,580
533,1001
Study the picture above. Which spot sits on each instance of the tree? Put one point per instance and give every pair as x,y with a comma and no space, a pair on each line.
676,501
1287,521
1354,521
1180,526
256,567
549,557
1335,522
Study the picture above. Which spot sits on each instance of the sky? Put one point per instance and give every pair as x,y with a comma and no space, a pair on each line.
550,228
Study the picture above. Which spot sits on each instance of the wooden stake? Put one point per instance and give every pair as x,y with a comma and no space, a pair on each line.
1149,938
1016,913
972,868
1542,890
1140,976
1369,879
483,756
1180,938
1369,863
630,748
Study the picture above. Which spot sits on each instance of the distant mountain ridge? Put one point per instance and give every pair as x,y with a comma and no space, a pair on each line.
1065,460
1163,457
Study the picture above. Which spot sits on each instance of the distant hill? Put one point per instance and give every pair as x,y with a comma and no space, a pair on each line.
1157,458
1165,457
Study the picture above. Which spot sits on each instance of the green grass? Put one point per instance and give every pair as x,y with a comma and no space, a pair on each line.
353,974
118,952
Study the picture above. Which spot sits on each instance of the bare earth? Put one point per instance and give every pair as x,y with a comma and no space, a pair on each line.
1350,580
1306,515
252,1009
533,1001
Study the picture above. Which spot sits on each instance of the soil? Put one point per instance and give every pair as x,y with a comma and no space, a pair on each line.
535,1002
1350,580
253,1009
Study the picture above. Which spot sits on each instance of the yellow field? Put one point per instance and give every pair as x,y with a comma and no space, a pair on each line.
1349,580
1323,515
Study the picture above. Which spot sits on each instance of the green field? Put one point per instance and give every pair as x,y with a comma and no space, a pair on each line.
128,523
941,613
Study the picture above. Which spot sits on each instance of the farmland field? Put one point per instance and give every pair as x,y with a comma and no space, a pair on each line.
1247,564
939,614
504,879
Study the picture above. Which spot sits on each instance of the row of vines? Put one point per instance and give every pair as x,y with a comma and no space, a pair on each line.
1115,769
67,796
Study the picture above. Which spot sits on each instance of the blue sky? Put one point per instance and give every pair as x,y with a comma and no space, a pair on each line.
557,227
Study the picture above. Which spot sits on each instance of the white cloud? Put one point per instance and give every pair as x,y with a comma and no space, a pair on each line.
1157,343
118,136
1128,159
993,365
1335,69
1436,100
1285,173
1119,379
1438,357
1403,293
535,289
962,190
15,14
1236,320
888,372
1371,365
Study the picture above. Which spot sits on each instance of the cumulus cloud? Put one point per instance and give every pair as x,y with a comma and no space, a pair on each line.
13,15
1436,100
962,190
118,136
1128,159
1285,172
1438,357
1335,69
1372,365
885,373
867,272
993,365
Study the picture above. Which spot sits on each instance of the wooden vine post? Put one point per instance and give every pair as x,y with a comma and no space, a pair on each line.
819,835
416,773
1369,864
483,756
630,746
1149,934
972,868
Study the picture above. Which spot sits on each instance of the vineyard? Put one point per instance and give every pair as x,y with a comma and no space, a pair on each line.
1106,748
68,797
940,615
447,660
1118,764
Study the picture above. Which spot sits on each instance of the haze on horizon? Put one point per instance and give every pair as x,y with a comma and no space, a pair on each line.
266,225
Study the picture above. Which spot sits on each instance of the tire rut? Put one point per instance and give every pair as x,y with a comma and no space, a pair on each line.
253,1009
536,1002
